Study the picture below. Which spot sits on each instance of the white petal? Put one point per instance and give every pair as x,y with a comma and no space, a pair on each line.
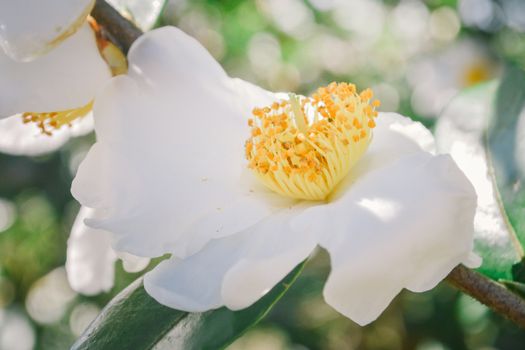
390,128
234,271
402,226
271,251
32,27
173,136
18,138
143,13
394,136
66,78
133,263
90,263
192,284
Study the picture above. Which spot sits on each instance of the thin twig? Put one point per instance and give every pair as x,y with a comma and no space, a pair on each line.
488,292
122,31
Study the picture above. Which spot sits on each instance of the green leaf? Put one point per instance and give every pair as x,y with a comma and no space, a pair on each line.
461,131
516,287
144,13
134,320
506,147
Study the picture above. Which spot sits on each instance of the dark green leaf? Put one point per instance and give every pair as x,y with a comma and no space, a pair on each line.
506,147
518,271
516,287
461,131
134,320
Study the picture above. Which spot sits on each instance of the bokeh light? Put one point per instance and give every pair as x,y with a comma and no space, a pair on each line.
16,331
49,297
7,214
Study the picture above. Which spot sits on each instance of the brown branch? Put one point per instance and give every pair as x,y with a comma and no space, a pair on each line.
122,32
490,293
494,295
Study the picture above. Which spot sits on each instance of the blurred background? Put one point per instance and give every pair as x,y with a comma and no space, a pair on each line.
415,55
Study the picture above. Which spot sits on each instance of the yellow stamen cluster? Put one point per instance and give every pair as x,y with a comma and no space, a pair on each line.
47,122
303,147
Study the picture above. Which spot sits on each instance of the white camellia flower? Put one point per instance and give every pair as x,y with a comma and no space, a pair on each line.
144,14
168,174
52,65
464,63
51,69
29,29
90,264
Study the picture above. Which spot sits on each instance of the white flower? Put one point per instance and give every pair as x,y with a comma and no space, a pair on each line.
168,175
30,28
52,65
51,69
144,14
91,261
435,79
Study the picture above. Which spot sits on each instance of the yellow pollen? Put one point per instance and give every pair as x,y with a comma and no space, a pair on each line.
302,147
48,122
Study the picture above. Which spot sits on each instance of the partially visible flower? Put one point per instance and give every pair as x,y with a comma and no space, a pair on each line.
436,79
167,176
30,28
91,261
144,14
52,65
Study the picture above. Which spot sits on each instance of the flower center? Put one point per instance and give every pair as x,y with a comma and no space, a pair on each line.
304,146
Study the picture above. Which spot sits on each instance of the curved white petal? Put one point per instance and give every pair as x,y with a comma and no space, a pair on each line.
394,136
133,263
143,13
29,28
271,250
402,226
65,78
234,271
90,263
176,135
18,138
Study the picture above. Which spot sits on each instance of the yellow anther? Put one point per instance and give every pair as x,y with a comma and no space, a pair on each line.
366,95
48,122
368,110
302,147
256,132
